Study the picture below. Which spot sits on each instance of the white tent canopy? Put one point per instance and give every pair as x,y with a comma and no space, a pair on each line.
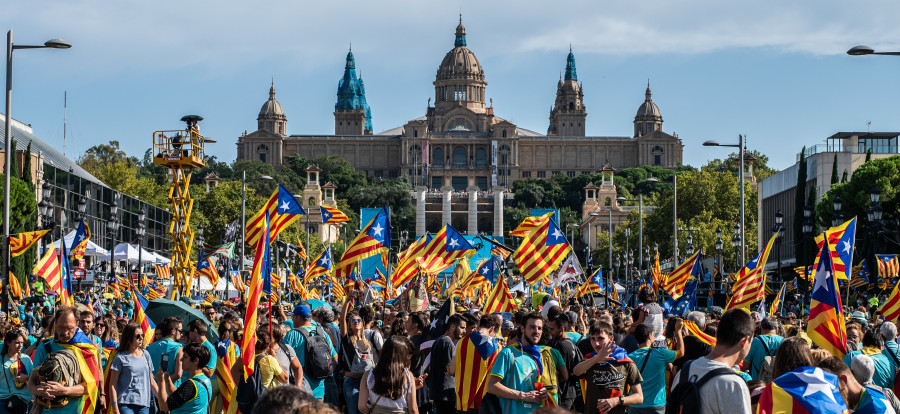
131,253
92,250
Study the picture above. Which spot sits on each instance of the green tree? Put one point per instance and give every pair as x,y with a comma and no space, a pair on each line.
14,161
834,170
23,217
102,154
868,155
844,177
761,168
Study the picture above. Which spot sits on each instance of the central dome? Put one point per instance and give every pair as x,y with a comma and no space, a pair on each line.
271,109
460,62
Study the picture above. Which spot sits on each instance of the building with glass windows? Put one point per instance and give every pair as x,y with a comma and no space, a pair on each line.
69,183
459,143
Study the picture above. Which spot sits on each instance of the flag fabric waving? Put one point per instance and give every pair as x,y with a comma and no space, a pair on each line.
331,215
281,210
407,266
48,268
891,307
206,269
500,300
487,272
375,238
594,284
225,249
261,266
80,242
163,272
320,267
15,289
301,251
685,302
237,280
750,286
841,239
20,243
805,390
773,308
140,315
475,355
674,284
543,247
444,248
826,316
888,265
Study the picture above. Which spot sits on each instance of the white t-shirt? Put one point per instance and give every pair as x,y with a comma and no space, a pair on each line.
385,401
724,394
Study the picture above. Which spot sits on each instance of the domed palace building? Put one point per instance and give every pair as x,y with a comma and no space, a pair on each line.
459,144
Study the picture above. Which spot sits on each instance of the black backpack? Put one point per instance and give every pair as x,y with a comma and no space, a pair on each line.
685,398
318,363
249,391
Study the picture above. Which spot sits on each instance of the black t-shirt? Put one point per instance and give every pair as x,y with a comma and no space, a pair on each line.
693,348
441,383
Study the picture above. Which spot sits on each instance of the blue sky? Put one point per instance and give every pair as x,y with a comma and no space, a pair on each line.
772,70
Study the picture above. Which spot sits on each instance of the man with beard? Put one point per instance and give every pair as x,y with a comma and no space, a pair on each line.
525,374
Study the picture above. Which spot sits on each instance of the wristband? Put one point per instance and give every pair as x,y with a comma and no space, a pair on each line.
115,403
521,395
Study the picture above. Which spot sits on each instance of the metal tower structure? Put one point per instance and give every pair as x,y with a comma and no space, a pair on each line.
181,151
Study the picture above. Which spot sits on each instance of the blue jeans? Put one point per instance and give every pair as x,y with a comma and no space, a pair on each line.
133,409
351,394
332,394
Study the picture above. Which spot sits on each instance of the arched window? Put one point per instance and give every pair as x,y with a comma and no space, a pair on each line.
415,133
460,125
311,202
480,157
607,202
571,106
437,156
459,157
503,133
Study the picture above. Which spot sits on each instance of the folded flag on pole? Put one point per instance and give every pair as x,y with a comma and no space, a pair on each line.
543,247
300,250
805,390
331,215
674,284
15,289
140,315
281,210
80,242
262,265
475,355
500,300
320,267
375,238
594,284
750,286
826,316
773,308
20,243
891,307
888,265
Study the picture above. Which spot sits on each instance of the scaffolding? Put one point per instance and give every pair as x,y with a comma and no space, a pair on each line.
181,151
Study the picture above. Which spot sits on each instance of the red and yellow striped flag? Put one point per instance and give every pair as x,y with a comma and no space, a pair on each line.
48,268
227,356
15,289
261,266
374,239
331,215
20,243
475,355
280,210
500,300
675,282
543,247
702,336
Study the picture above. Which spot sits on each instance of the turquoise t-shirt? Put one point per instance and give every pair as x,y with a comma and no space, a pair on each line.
517,371
164,346
40,355
758,353
202,394
654,374
212,359
884,368
295,339
9,380
574,336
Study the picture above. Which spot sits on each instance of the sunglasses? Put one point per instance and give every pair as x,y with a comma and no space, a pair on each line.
355,320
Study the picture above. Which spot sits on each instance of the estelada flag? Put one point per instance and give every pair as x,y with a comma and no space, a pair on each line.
331,215
841,240
163,272
500,300
88,357
20,243
805,390
237,280
542,248
444,248
281,210
319,267
262,265
227,355
891,307
80,242
375,238
206,269
675,282
475,355
301,251
826,315
407,266
49,269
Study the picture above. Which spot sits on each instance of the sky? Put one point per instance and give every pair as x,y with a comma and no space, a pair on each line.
774,71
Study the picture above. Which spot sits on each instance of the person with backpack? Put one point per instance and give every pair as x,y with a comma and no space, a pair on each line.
195,391
314,349
286,356
762,352
357,354
652,364
708,384
267,373
873,346
562,342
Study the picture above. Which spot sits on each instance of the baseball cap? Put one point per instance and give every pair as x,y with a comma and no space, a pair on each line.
507,325
302,311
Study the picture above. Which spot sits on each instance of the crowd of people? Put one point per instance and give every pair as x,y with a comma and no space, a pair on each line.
354,357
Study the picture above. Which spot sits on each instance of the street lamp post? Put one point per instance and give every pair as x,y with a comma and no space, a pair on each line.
807,230
779,220
200,242
742,149
112,225
141,231
736,242
674,216
7,156
719,245
640,201
837,218
874,215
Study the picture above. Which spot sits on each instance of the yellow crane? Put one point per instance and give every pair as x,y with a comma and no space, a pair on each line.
181,151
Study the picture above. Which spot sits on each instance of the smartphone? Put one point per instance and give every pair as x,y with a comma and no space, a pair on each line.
164,363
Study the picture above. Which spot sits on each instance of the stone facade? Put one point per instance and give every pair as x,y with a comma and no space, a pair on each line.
459,143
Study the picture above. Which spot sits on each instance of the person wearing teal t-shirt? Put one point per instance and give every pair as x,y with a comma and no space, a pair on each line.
195,391
66,331
296,339
763,345
170,329
651,363
873,346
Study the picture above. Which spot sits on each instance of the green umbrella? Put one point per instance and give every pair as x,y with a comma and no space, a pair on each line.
160,309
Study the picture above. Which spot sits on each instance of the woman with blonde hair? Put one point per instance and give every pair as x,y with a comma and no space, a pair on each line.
390,387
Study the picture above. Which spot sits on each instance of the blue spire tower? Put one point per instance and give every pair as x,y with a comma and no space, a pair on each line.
352,115
568,114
